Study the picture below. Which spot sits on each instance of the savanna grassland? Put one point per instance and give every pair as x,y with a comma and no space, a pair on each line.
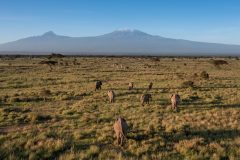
56,114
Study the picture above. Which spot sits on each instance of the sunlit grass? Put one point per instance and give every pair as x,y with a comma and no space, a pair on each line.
57,114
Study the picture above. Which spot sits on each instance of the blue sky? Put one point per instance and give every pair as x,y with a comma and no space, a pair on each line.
200,20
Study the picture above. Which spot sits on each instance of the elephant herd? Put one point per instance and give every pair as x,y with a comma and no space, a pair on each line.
120,126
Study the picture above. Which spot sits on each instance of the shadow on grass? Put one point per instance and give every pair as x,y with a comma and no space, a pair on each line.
218,86
226,105
216,135
208,135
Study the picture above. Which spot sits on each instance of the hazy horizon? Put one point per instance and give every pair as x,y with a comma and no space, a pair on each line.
214,21
125,42
123,29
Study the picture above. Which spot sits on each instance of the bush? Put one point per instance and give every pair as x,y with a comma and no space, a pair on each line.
50,63
204,75
217,63
45,92
14,99
55,55
188,84
34,117
195,75
185,129
155,59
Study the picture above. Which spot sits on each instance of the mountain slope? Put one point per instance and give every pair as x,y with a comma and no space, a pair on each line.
117,42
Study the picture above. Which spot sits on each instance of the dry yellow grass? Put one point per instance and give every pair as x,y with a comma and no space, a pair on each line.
57,114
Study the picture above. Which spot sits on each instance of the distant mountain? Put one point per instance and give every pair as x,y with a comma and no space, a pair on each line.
117,42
